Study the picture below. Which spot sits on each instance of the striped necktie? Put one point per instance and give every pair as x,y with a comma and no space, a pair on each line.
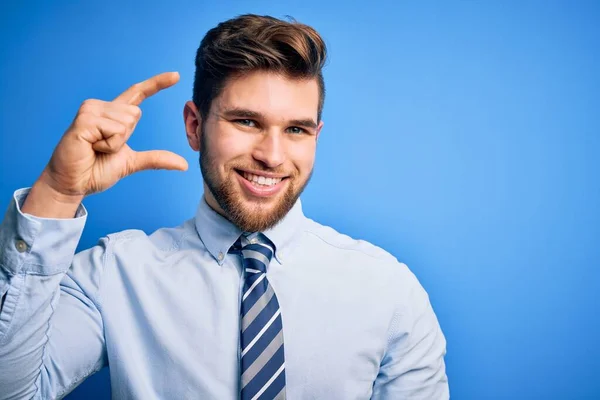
262,363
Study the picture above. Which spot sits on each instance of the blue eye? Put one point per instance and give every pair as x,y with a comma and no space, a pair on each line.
246,122
296,130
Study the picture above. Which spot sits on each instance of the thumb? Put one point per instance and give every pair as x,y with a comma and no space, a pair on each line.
157,159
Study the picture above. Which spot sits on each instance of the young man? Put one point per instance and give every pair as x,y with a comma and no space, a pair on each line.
249,299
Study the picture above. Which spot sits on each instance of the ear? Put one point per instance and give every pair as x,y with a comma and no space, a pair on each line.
193,125
319,130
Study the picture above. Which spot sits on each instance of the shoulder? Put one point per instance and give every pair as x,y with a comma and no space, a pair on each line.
362,253
355,252
137,241
337,241
370,261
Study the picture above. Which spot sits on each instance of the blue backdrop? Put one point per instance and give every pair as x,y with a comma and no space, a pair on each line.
463,137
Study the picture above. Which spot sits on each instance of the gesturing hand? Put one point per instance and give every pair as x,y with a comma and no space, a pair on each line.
93,153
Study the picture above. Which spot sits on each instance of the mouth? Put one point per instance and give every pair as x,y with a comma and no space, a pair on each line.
261,185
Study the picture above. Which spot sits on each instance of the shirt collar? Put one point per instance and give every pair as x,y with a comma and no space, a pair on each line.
218,234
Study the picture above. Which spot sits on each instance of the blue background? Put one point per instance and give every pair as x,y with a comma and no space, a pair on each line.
463,137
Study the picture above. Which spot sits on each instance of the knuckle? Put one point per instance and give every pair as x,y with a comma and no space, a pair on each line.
85,118
122,130
136,112
89,105
131,121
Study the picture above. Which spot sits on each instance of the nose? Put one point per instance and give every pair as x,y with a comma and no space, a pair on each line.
269,150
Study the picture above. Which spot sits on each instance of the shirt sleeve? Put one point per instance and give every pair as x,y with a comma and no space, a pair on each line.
51,331
413,366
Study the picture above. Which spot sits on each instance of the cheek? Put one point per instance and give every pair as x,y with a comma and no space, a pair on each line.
227,146
303,156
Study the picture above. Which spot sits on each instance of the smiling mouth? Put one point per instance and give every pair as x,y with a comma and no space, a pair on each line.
259,180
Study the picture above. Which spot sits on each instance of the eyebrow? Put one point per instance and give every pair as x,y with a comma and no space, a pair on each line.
245,113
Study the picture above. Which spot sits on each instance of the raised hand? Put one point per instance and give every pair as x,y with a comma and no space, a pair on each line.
93,153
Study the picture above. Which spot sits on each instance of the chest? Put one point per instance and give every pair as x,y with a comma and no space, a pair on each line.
166,334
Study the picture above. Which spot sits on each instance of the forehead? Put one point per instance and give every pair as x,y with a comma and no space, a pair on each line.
272,95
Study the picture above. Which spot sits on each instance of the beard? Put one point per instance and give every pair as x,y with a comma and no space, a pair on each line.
258,215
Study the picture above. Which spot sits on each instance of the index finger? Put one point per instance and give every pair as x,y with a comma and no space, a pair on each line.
142,90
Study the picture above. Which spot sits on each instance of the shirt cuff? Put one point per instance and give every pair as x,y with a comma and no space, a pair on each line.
30,244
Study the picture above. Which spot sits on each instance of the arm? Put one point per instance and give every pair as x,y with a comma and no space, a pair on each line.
51,333
413,366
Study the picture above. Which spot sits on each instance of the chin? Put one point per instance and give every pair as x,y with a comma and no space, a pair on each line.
258,214
260,203
248,212
260,206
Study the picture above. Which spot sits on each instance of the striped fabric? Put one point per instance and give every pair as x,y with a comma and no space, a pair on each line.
262,363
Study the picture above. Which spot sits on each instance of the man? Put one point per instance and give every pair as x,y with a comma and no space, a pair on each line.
249,299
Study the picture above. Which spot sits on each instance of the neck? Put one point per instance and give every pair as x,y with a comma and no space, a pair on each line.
212,202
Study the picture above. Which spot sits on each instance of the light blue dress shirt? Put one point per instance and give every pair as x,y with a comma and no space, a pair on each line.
162,310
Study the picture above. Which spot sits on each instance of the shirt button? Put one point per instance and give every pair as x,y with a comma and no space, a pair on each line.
221,256
253,241
21,245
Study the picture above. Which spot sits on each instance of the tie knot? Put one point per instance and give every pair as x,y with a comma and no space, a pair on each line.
256,251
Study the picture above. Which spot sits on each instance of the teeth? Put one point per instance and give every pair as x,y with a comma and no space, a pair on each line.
261,180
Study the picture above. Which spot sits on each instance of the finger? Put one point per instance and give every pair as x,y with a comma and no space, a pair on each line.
142,90
103,108
121,112
92,106
157,159
127,117
111,135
